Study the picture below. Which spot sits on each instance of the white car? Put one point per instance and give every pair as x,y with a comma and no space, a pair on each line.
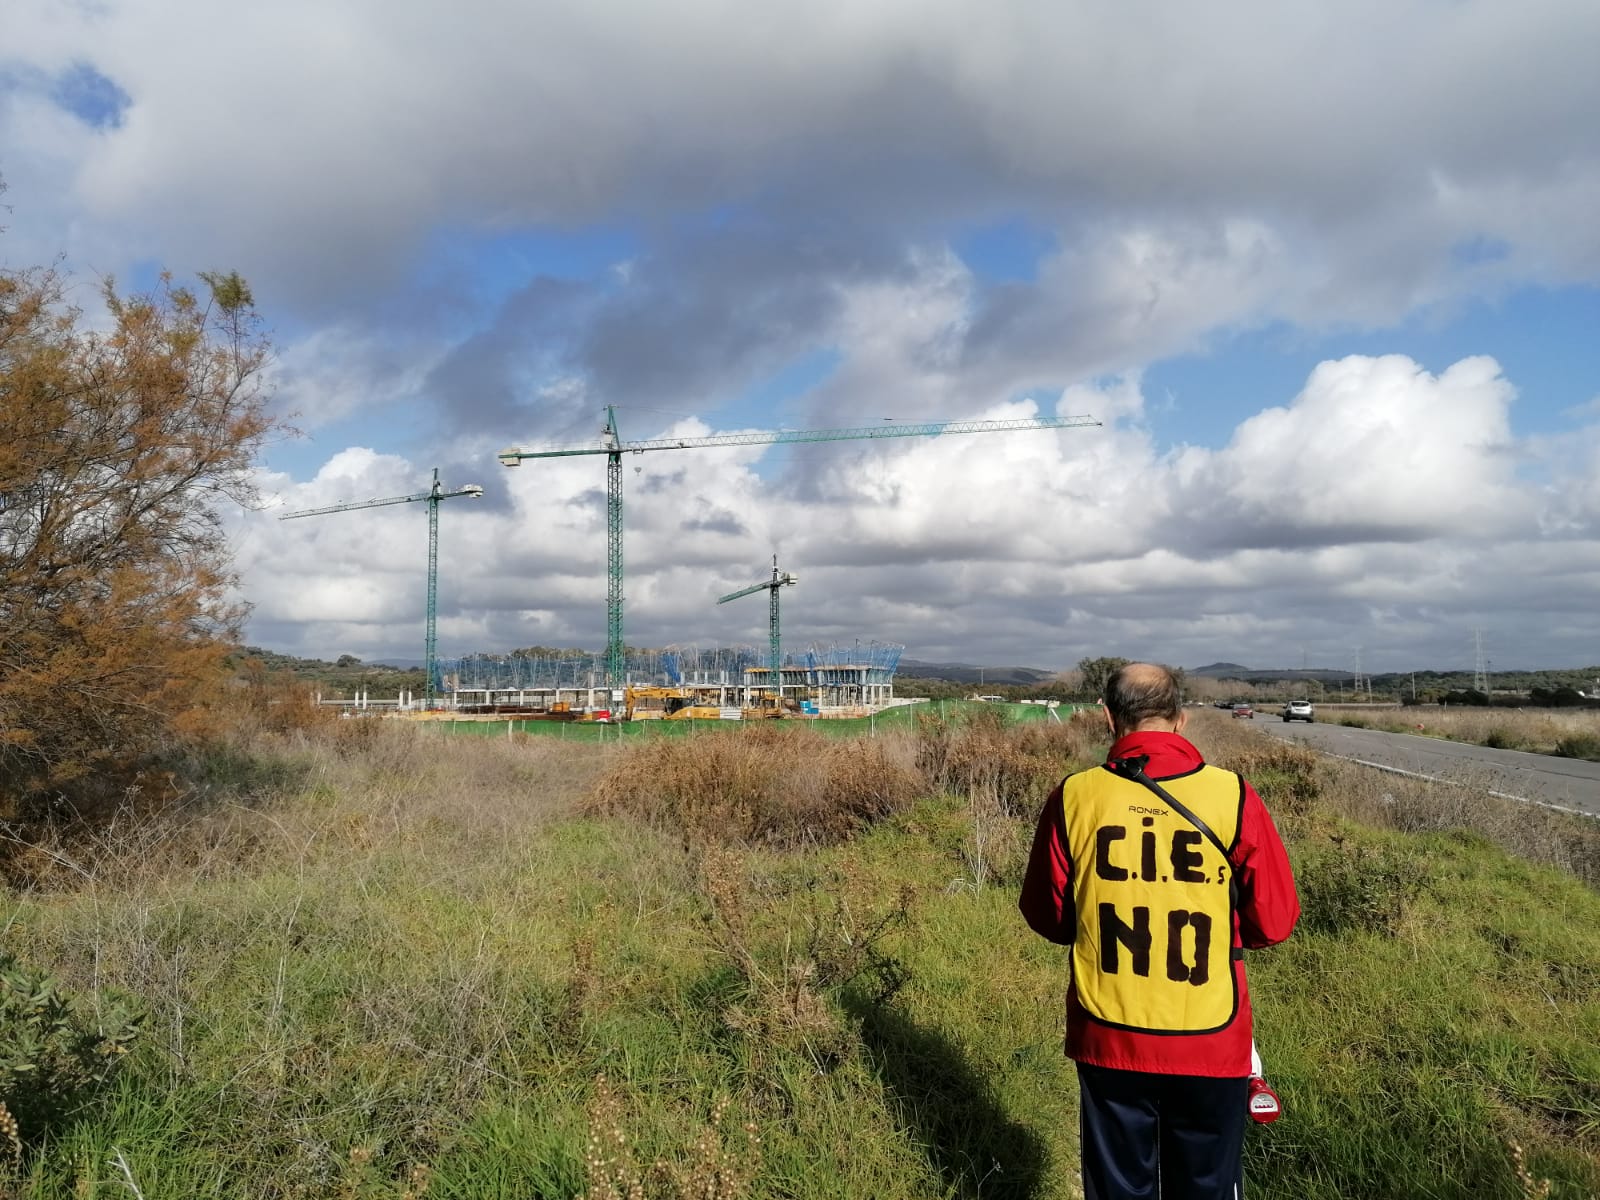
1299,710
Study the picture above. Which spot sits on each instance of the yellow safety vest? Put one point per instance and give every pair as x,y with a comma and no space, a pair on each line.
1154,945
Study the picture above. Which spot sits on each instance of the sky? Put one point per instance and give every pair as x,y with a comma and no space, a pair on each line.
1327,274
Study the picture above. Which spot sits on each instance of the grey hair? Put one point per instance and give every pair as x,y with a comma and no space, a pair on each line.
1140,692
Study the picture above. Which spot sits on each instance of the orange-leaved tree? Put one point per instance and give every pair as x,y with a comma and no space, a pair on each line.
121,441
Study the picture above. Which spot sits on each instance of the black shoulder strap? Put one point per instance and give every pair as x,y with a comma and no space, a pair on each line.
1133,768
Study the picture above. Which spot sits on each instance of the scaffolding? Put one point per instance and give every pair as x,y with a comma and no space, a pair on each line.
857,675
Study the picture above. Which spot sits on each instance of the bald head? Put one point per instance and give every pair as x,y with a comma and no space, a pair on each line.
1143,696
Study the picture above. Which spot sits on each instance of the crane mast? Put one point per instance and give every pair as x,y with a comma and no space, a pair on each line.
780,579
433,496
614,448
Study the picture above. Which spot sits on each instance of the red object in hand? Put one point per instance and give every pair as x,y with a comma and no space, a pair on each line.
1265,1107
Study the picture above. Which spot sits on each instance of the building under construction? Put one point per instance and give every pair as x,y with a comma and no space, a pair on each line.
819,680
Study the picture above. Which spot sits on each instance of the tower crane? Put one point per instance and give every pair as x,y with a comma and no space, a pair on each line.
614,448
433,495
780,579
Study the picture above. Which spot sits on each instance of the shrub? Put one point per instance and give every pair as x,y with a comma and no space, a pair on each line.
764,783
123,439
53,1058
1357,888
1284,776
1500,737
785,1003
1014,765
714,1166
1579,745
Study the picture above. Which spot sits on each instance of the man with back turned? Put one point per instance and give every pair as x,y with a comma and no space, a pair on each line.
1158,870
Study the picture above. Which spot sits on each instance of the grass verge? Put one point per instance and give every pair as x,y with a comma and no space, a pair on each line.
486,969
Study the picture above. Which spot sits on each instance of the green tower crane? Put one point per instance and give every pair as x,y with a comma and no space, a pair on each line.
614,448
433,495
779,579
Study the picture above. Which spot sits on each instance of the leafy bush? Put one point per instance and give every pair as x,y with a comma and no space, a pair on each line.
120,447
53,1057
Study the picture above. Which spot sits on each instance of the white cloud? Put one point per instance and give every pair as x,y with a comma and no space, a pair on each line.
1372,448
792,178
313,145
1036,548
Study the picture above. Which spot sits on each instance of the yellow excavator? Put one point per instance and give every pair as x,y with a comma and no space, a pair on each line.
655,703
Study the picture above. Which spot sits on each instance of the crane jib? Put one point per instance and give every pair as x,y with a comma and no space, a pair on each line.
768,438
432,496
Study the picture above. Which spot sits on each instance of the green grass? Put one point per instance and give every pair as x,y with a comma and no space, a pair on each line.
384,989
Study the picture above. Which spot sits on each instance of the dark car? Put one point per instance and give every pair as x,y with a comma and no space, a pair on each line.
1244,710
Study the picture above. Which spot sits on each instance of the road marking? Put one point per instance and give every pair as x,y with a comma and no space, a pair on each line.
1363,762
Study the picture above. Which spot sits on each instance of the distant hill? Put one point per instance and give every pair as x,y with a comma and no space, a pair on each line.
1230,670
964,673
343,676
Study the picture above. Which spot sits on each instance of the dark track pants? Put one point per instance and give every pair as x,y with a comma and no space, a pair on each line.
1172,1137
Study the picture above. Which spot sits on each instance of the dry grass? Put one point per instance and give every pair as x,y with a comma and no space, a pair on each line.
790,786
270,798
1542,731
772,784
835,941
275,794
1464,802
401,973
1012,767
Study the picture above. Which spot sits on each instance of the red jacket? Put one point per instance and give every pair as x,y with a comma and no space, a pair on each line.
1268,909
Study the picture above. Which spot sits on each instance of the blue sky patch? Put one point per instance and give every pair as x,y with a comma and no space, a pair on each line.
1477,251
769,401
92,97
1543,338
1006,251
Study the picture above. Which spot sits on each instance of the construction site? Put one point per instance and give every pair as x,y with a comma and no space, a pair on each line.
675,683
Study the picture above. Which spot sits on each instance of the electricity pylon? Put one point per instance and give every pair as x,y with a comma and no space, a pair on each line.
614,448
433,495
779,579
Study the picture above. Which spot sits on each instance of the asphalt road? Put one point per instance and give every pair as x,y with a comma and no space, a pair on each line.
1563,782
